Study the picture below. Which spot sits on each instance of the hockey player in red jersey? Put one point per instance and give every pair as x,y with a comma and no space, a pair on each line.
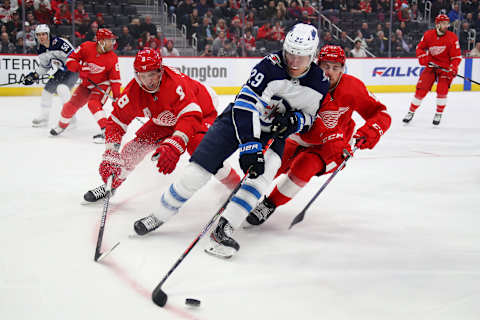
322,149
180,110
438,48
98,65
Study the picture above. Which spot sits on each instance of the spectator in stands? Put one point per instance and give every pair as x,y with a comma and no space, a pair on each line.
454,15
235,31
79,14
380,44
202,7
367,35
404,13
15,22
169,50
265,31
344,43
92,33
229,49
401,46
193,23
360,37
100,21
145,40
281,11
365,6
29,38
250,43
207,52
220,7
357,50
305,18
464,36
469,18
205,33
19,45
330,7
232,9
218,42
84,27
43,11
220,26
134,28
476,24
63,15
126,43
414,12
475,53
294,12
270,11
31,19
147,25
326,39
278,31
184,8
172,5
307,7
6,11
5,45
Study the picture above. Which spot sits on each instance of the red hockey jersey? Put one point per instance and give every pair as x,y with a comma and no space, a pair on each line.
180,102
102,69
441,50
334,119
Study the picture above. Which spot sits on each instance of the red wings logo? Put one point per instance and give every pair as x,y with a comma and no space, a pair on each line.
330,117
166,119
436,50
94,69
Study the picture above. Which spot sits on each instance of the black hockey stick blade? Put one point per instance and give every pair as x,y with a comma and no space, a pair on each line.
159,297
298,218
100,256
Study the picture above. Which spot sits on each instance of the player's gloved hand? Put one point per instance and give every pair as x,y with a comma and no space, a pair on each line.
111,164
168,154
251,158
368,135
285,124
424,60
31,78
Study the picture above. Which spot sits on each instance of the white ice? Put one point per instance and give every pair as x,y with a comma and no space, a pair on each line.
394,236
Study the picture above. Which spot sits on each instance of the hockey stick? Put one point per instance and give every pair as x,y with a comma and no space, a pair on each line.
433,65
299,217
159,296
100,255
113,99
21,81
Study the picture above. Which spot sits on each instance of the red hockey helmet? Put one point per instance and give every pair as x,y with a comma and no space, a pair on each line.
332,53
104,33
441,17
147,60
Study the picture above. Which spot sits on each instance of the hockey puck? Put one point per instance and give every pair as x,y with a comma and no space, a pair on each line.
192,302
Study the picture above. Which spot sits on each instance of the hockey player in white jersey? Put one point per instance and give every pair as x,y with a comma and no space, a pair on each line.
53,53
281,97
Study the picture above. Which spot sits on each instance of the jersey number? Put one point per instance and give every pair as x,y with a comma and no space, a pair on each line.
65,47
180,92
123,101
256,78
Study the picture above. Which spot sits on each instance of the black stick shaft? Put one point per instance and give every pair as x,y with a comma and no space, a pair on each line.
103,219
458,75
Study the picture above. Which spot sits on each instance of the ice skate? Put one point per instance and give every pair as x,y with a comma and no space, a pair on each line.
408,117
57,130
221,244
437,118
147,225
96,194
100,137
40,121
260,214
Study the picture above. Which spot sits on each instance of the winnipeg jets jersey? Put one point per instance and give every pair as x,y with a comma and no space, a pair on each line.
54,56
271,90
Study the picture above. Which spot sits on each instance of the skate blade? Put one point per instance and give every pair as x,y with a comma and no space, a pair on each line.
88,203
219,251
40,125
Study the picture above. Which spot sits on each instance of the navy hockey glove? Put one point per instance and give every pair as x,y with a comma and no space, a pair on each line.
251,159
30,78
285,124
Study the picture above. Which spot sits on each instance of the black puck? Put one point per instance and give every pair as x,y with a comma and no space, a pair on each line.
192,302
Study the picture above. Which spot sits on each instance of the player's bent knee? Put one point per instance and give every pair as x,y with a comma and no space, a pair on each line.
193,178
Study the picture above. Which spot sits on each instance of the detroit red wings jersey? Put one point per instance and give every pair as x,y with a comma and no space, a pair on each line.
102,69
442,50
180,102
334,119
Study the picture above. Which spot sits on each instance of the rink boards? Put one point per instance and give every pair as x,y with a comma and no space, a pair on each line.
226,75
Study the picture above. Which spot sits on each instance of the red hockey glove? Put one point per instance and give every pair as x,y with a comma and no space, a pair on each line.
424,59
368,135
168,154
111,164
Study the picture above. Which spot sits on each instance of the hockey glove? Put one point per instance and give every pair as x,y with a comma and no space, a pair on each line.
111,164
168,154
285,124
251,159
423,60
31,78
368,135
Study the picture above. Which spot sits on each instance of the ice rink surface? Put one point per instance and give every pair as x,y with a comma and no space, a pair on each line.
394,236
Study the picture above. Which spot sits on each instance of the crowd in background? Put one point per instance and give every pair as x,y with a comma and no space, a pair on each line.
223,28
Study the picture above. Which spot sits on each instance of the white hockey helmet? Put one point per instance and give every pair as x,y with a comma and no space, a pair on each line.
42,28
302,40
